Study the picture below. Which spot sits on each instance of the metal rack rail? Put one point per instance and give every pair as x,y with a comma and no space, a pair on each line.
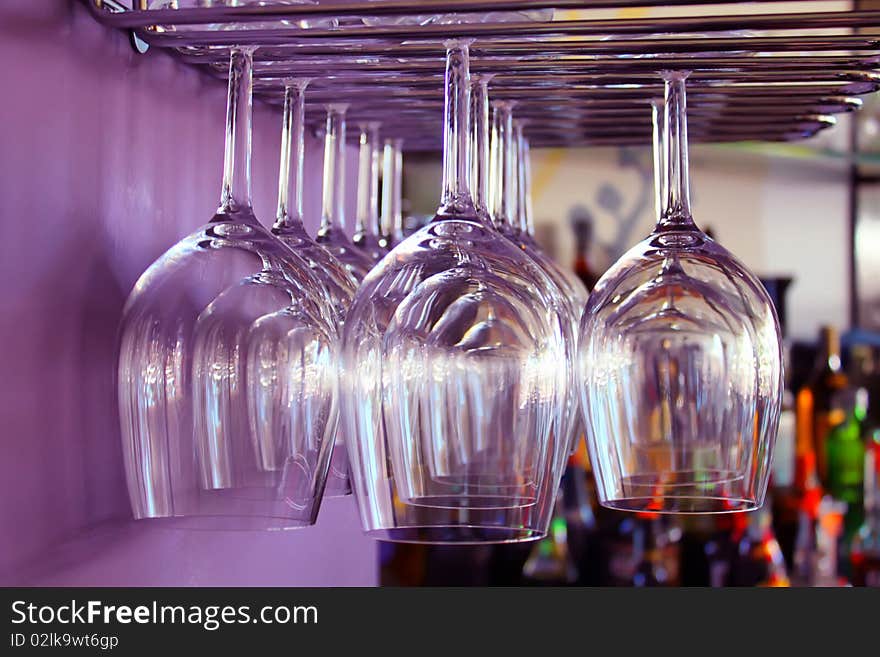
578,71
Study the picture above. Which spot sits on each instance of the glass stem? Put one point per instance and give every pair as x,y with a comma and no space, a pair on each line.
530,210
333,212
236,192
480,143
290,170
392,192
456,199
367,220
676,213
522,191
658,154
504,156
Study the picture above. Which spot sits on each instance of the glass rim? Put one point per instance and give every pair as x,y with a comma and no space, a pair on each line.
422,534
714,505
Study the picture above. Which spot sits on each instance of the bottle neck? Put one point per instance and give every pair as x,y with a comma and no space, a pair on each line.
367,220
290,170
235,195
333,212
456,199
676,210
829,358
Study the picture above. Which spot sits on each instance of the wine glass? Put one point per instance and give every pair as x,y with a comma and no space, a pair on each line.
331,234
452,316
226,374
368,236
681,362
339,285
569,282
392,192
568,297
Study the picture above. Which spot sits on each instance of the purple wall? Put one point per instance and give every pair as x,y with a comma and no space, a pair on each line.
106,159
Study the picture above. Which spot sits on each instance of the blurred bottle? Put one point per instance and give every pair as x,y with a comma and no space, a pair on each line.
815,558
550,562
582,225
671,534
757,560
618,558
785,450
721,548
865,375
784,495
865,548
803,496
846,454
579,504
655,552
826,381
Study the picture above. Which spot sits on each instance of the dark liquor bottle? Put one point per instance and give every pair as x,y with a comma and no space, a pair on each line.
865,549
720,550
758,558
578,504
651,556
550,562
617,529
583,235
826,381
864,373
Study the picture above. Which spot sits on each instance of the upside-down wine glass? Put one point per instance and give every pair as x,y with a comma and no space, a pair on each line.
331,234
339,285
506,222
681,362
368,236
454,392
571,285
227,374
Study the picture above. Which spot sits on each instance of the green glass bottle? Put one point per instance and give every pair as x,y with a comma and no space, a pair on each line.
846,456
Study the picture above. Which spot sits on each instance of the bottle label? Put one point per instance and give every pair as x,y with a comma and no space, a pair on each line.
784,453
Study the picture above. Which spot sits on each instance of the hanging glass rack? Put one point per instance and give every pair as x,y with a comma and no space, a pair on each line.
580,72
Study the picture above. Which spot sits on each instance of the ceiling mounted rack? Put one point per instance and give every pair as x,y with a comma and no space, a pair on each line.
580,72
